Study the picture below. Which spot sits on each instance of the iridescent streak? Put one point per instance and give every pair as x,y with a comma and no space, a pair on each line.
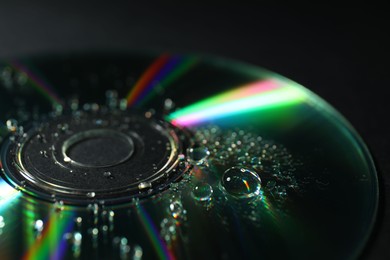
247,185
7,194
237,102
146,78
159,245
52,243
176,67
38,83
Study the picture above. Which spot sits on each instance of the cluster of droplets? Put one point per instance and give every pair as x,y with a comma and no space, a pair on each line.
248,162
100,224
75,237
127,251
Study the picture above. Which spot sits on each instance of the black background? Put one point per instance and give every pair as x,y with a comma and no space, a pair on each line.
341,53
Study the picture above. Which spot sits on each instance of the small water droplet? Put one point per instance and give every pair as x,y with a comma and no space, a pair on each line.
95,232
59,206
198,155
144,185
138,252
111,216
44,154
123,104
108,175
202,192
12,125
177,210
168,104
77,238
124,249
38,226
91,194
67,159
79,221
41,138
241,182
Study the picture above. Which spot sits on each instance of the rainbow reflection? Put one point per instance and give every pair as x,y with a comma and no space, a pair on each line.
256,96
7,194
162,72
159,244
38,83
52,244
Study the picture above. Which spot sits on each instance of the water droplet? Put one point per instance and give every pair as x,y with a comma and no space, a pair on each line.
124,248
91,194
108,175
67,159
177,210
168,104
57,109
202,192
74,104
2,223
198,155
59,206
112,98
241,182
148,114
38,226
41,138
123,104
79,221
137,255
44,154
111,215
12,125
95,232
77,238
144,185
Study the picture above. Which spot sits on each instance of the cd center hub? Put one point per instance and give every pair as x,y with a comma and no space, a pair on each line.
98,148
111,157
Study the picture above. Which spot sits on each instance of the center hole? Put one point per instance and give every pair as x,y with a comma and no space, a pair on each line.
98,148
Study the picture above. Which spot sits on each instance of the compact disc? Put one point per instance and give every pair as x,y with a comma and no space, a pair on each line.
145,156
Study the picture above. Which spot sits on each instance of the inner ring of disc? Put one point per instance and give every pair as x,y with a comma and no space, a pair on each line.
98,148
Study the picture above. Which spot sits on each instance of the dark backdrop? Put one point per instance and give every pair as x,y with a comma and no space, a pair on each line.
341,53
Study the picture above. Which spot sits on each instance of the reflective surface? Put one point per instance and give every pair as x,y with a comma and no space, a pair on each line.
259,167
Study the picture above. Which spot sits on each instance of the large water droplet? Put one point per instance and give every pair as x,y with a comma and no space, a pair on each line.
198,155
202,192
241,182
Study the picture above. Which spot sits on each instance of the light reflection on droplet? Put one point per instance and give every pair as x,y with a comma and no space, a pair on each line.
241,182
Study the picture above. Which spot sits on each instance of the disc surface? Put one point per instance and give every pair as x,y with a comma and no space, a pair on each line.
142,156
